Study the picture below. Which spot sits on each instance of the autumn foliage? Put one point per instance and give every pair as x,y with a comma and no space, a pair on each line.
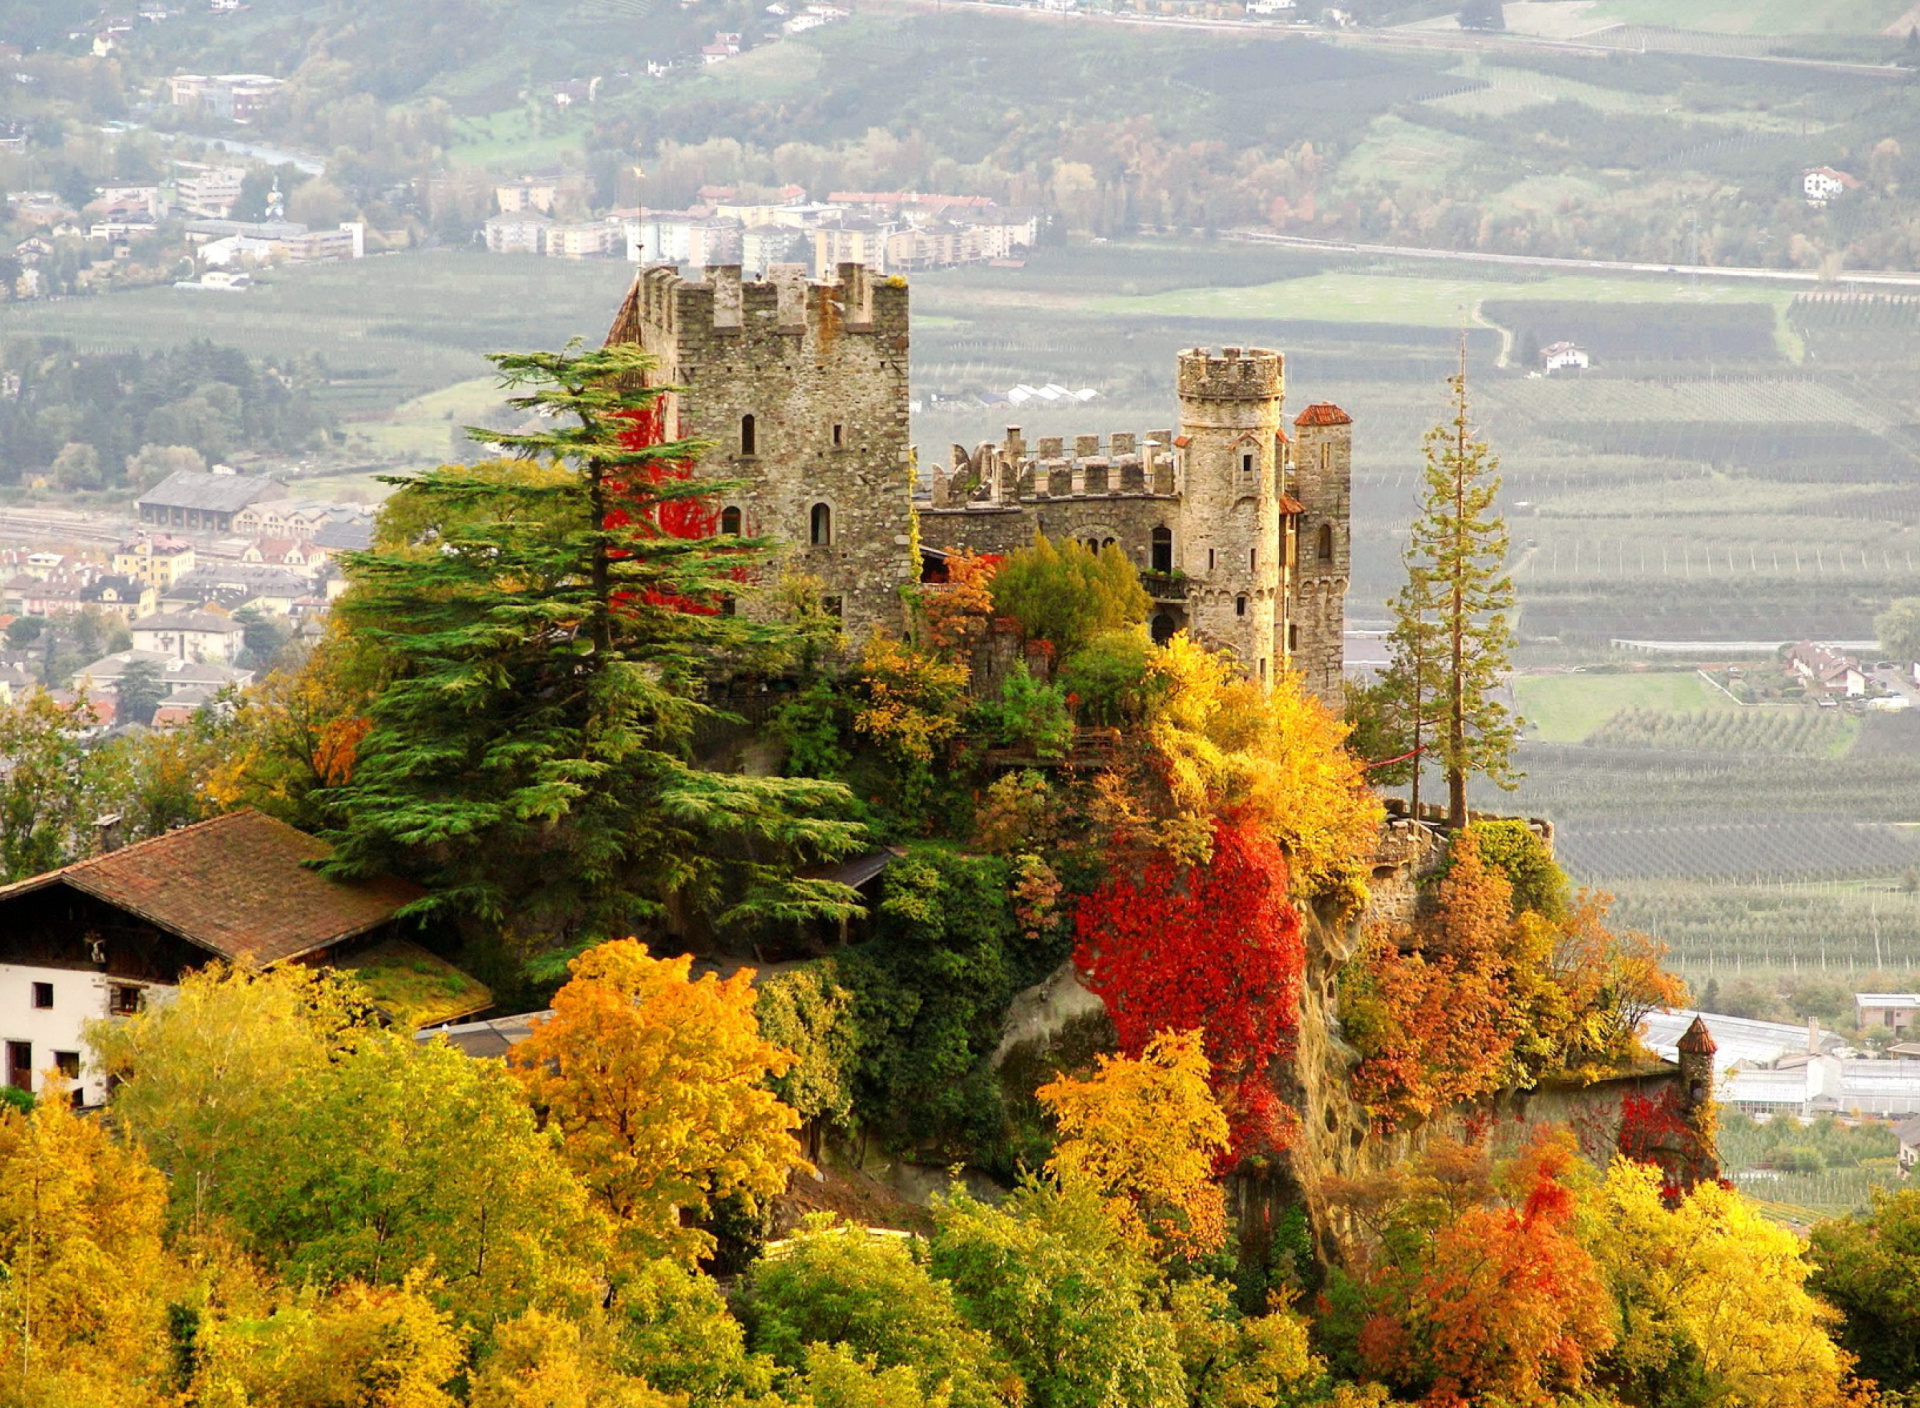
1473,998
1502,1302
1214,948
656,1085
1147,1132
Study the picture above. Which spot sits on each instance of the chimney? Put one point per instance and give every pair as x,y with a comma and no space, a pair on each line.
107,833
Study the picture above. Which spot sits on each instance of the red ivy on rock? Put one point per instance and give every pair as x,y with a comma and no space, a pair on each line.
1215,947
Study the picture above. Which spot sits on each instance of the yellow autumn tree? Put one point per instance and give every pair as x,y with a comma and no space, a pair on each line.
656,1085
1216,745
1710,1290
1145,1132
544,1361
359,1347
82,1271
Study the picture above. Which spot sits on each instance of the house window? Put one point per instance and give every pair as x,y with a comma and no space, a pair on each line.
839,435
123,1000
749,436
1162,551
1326,542
20,1065
1240,606
68,1064
730,521
822,526
43,995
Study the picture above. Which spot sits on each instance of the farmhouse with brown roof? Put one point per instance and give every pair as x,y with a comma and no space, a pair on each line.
103,936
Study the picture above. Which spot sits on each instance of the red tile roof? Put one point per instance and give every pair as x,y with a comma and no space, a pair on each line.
237,885
1323,413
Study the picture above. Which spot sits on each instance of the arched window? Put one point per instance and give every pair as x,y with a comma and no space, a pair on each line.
1093,546
1240,606
749,436
730,521
1326,542
1106,543
822,525
1162,554
1162,628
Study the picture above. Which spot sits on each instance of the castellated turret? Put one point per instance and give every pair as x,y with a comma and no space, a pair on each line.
1320,482
1229,478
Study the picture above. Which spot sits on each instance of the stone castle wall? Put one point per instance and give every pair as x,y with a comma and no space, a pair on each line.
802,391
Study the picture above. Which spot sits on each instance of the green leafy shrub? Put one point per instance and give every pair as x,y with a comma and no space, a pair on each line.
1066,595
1028,714
1107,680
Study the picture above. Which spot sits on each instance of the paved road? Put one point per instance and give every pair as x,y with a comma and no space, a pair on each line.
1882,278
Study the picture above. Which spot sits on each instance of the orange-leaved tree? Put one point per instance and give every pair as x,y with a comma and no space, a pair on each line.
1501,1303
657,1086
1146,1132
959,613
1430,1013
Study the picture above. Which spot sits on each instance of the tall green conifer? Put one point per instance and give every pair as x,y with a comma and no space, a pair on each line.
1452,637
545,624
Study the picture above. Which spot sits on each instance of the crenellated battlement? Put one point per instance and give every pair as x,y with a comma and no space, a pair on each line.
1232,374
1015,471
786,302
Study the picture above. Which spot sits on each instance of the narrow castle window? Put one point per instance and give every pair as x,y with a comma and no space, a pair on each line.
1263,669
1326,542
749,437
1162,553
730,521
1240,606
1293,637
1246,465
839,435
1209,559
822,526
1253,559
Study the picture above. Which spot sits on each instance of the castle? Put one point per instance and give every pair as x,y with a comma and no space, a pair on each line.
1241,534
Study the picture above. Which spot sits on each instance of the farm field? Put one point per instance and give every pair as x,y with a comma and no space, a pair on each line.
1423,302
1769,17
1568,708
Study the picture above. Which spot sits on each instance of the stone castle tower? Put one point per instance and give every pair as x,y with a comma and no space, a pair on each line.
801,390
1241,536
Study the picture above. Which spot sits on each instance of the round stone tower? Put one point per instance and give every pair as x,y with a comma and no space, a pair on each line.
1229,535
